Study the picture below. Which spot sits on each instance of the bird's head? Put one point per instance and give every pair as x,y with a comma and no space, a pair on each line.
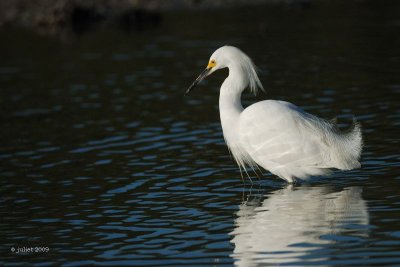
217,61
223,57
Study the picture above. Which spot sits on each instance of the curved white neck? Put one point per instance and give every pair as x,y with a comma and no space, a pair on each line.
230,105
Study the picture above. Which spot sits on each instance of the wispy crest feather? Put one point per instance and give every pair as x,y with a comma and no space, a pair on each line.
252,71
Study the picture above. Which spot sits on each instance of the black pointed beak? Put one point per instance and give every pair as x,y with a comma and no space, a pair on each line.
199,79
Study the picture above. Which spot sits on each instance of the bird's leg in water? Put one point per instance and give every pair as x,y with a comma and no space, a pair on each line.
292,180
245,200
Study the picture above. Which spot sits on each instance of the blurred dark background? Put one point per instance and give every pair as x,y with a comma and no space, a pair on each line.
65,16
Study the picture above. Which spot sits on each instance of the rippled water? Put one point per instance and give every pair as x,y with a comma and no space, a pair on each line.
103,161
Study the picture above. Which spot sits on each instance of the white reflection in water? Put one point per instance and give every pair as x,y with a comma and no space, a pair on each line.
291,224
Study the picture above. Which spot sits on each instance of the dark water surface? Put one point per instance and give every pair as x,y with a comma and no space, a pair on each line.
103,161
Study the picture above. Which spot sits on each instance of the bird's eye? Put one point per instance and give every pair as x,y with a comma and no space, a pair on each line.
211,64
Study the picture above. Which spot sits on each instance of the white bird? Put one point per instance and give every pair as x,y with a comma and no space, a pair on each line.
277,135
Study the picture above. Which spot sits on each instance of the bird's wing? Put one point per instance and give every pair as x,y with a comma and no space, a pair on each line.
277,132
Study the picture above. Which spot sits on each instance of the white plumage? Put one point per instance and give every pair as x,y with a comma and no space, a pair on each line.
277,135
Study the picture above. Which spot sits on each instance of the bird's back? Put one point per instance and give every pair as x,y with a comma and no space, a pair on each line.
291,143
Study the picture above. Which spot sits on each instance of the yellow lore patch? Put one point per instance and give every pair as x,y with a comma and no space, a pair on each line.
211,64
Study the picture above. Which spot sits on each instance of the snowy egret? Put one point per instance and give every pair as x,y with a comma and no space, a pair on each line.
277,135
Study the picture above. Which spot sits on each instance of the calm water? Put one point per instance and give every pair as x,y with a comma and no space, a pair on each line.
103,161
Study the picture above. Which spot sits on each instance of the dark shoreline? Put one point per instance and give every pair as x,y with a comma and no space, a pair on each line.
66,17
